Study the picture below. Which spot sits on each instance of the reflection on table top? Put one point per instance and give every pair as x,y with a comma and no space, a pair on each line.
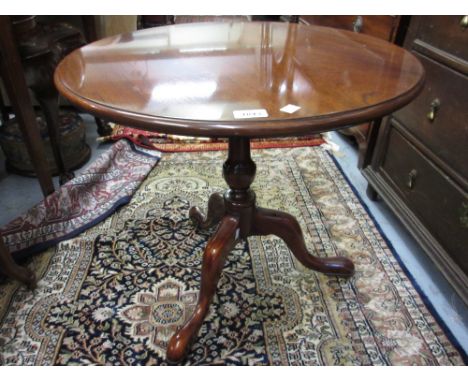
200,78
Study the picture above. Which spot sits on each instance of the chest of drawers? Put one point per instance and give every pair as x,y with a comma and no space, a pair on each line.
418,162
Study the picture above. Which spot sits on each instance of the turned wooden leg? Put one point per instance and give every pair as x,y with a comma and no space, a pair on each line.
285,226
216,211
213,261
13,270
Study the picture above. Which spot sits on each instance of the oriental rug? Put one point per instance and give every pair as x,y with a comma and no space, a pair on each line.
177,143
115,294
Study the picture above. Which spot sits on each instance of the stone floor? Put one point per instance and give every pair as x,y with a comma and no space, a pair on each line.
17,194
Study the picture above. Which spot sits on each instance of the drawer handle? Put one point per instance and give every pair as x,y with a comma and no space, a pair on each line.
464,215
435,105
358,24
464,22
411,178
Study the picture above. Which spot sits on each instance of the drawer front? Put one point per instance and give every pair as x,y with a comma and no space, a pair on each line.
443,129
446,33
377,26
438,202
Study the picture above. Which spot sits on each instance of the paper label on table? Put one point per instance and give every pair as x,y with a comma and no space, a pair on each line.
252,113
290,108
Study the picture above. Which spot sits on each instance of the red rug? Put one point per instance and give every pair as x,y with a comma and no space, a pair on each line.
107,184
174,143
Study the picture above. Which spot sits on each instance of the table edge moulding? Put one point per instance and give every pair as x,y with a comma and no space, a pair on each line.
257,127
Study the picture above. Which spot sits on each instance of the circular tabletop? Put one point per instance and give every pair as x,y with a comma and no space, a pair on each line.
240,79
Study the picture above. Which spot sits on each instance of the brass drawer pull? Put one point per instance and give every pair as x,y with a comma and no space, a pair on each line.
464,22
357,24
435,105
411,178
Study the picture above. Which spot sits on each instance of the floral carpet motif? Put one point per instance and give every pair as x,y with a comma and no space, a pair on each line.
155,315
115,294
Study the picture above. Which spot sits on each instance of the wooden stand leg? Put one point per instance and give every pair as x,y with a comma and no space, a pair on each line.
13,270
12,75
286,227
213,261
216,211
49,105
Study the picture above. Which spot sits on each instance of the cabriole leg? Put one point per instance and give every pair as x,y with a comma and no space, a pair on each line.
214,257
216,211
285,226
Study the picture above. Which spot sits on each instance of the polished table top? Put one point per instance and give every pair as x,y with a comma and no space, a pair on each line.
235,79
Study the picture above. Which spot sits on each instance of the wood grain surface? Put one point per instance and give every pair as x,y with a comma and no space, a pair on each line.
189,79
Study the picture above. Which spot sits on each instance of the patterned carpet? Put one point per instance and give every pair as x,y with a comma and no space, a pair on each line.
115,294
176,143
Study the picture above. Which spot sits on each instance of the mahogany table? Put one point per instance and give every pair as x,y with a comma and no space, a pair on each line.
240,80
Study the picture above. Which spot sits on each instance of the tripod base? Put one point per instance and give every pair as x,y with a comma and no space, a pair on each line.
239,217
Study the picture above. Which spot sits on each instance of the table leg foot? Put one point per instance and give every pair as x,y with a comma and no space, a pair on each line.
216,211
214,257
286,227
